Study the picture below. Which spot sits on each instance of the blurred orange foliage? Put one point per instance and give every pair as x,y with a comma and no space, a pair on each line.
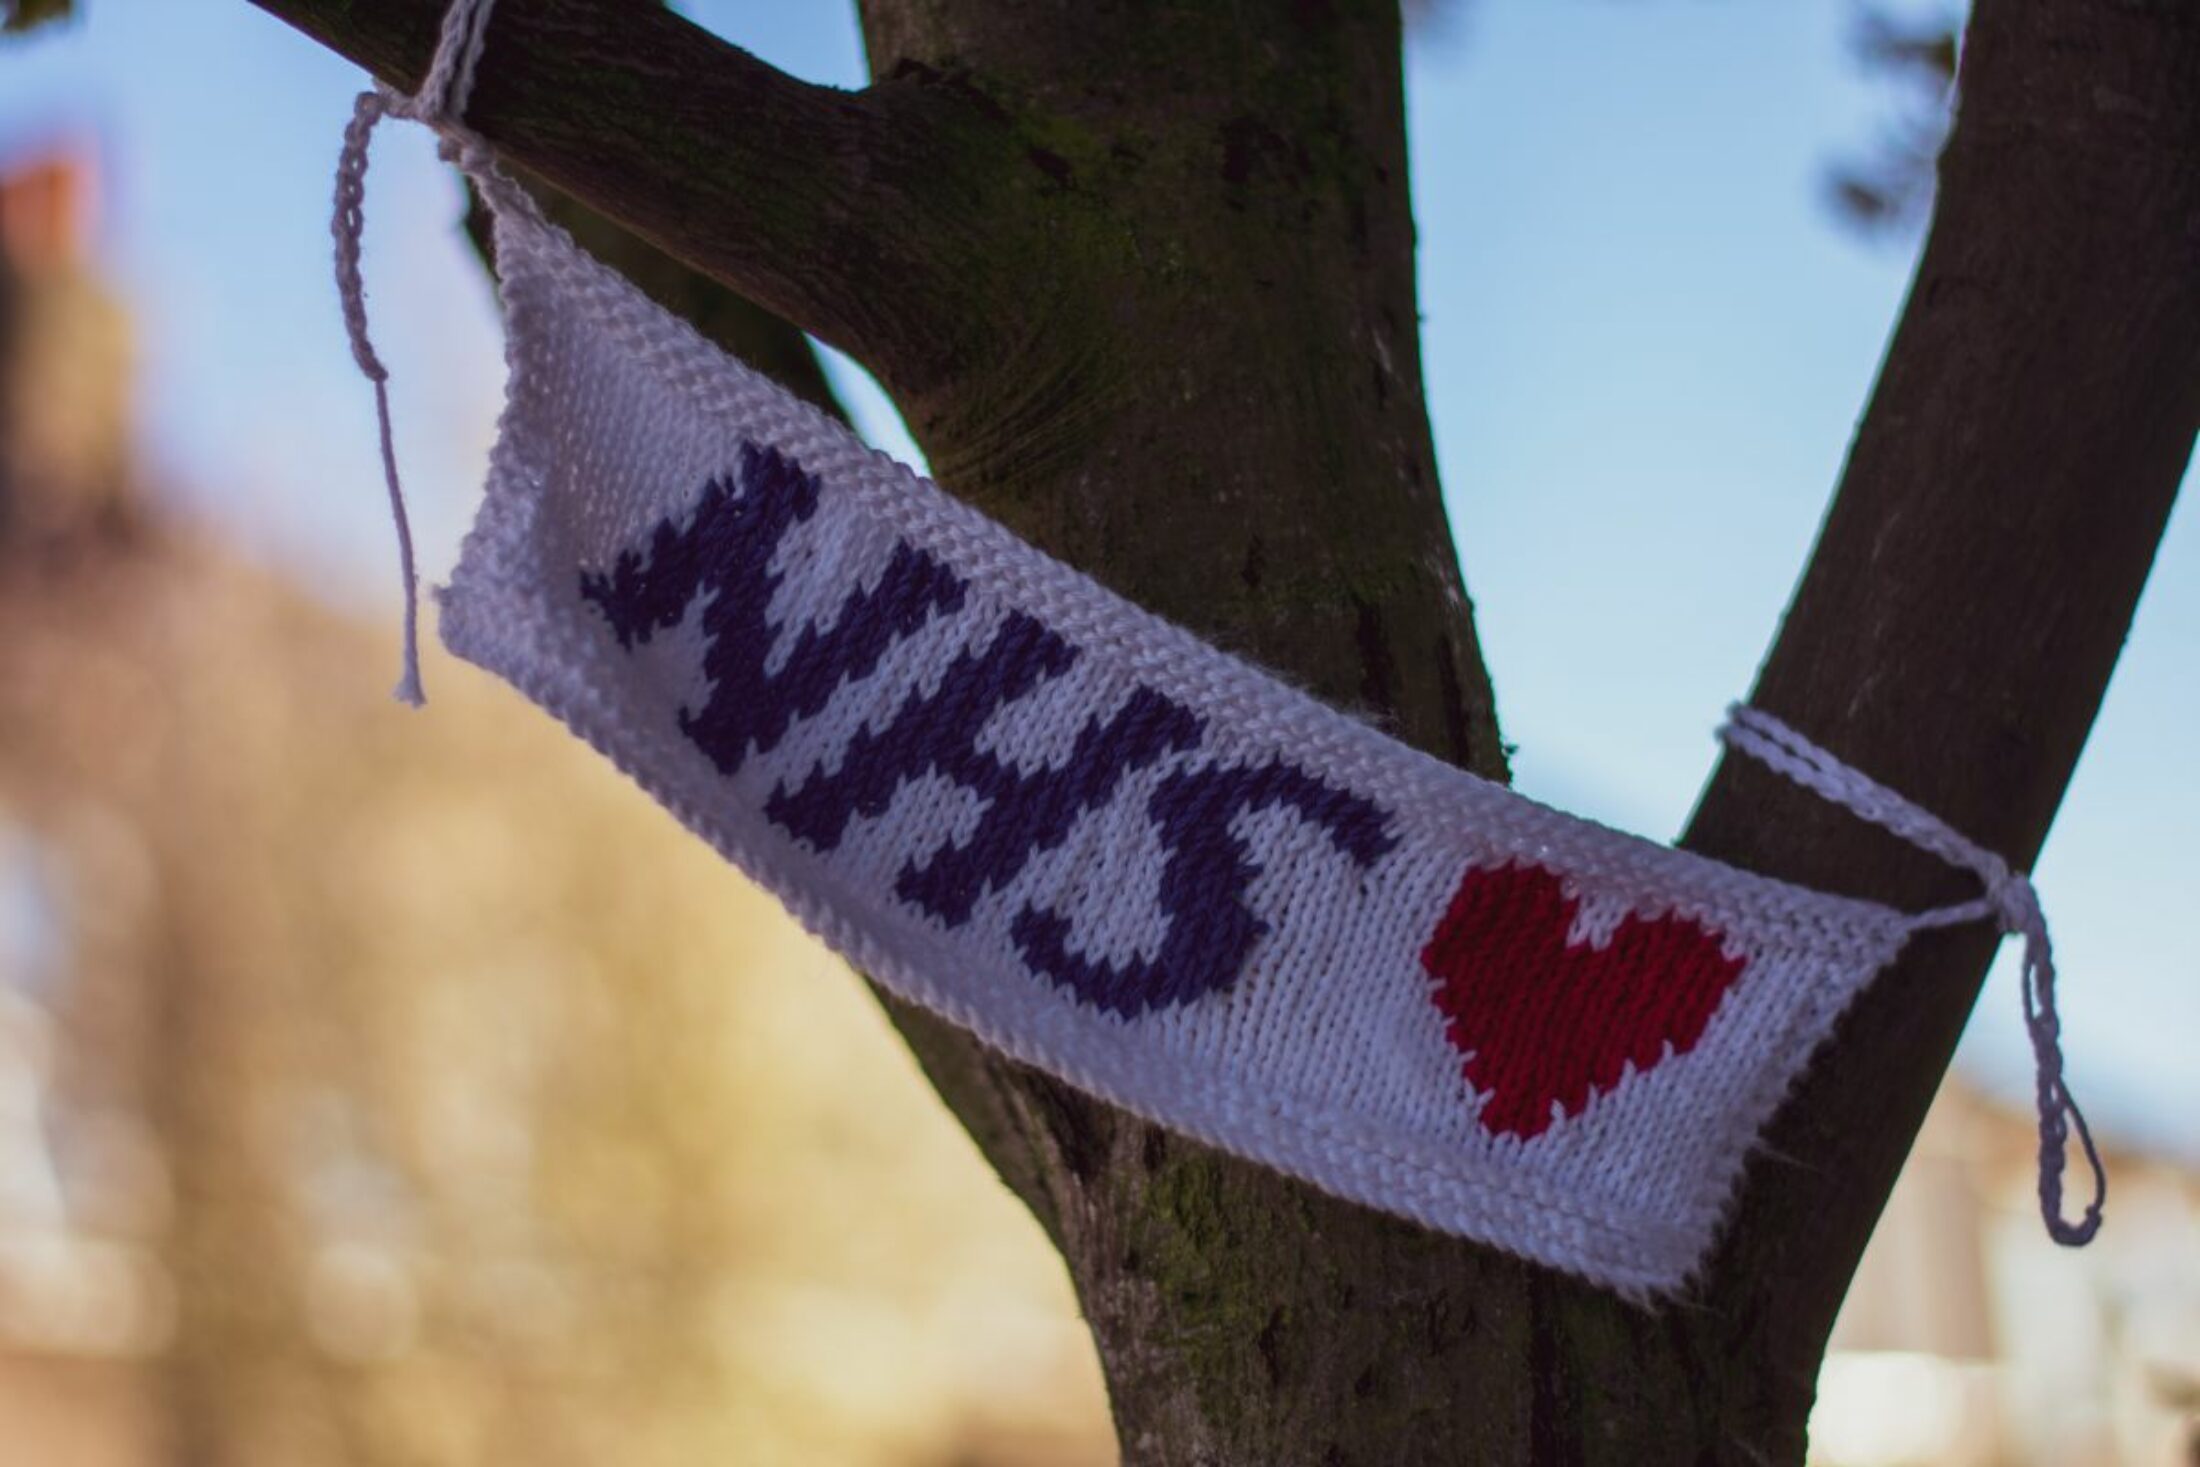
380,1087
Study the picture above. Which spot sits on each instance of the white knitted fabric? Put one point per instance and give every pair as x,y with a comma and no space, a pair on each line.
1107,848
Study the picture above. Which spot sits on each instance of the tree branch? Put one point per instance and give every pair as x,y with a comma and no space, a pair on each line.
845,213
1974,580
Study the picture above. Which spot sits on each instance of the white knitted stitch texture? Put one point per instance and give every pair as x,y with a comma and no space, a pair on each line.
1326,1053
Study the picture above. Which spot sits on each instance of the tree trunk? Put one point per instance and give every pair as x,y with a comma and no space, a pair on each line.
1141,279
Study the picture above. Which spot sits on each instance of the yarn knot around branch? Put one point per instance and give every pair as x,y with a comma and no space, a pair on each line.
2008,898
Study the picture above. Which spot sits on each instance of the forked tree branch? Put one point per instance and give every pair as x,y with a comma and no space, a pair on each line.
1973,583
1952,636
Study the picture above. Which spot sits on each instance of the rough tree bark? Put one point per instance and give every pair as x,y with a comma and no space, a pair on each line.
1141,280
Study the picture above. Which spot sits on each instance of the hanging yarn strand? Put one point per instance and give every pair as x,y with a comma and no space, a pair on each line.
2009,899
442,101
348,227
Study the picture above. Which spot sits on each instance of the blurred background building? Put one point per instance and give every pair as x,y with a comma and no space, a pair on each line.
1972,1340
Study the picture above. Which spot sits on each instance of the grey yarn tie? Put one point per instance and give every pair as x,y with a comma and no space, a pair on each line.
442,101
2009,899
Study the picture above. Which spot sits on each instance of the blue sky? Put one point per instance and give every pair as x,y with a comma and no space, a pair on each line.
1647,345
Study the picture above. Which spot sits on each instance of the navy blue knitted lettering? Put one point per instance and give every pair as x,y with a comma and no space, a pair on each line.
1209,930
1025,812
724,552
1034,812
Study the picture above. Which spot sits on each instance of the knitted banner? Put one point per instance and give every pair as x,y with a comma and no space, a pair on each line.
1107,848
1110,850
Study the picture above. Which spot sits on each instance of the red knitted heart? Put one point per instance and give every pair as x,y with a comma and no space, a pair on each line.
1542,1020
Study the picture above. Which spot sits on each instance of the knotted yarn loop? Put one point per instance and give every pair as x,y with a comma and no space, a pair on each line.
2009,899
440,104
